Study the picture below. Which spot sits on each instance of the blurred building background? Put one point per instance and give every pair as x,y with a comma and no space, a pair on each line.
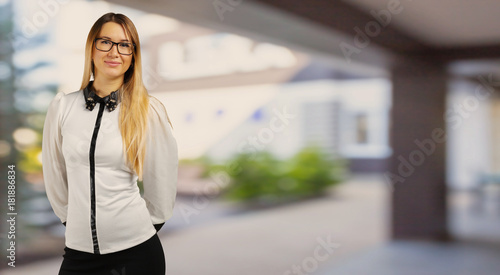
401,94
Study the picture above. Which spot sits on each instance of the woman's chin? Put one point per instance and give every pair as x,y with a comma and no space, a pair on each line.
112,73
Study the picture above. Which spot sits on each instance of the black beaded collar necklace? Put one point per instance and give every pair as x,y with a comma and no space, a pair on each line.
91,98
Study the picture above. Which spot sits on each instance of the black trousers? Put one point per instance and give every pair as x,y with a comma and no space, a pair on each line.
145,258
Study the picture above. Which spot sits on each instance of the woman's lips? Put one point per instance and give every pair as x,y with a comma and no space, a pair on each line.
112,64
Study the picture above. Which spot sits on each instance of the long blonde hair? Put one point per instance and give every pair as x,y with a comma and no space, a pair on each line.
133,95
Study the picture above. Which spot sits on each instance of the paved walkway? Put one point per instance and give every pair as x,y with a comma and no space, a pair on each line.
421,258
311,234
474,222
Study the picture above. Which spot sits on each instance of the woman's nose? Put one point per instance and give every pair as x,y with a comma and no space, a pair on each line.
114,50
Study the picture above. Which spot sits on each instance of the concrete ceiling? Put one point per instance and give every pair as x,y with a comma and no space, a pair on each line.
465,31
449,23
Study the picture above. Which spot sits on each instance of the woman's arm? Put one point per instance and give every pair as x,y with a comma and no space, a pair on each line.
160,166
53,165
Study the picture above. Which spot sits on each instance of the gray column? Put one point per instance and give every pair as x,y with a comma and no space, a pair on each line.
418,136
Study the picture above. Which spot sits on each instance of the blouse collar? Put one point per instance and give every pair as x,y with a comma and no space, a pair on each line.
91,98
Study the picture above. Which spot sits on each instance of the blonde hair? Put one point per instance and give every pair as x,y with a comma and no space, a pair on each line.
133,95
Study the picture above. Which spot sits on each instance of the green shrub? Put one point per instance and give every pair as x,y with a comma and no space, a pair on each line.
260,177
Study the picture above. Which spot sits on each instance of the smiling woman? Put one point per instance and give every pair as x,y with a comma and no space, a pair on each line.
92,160
111,62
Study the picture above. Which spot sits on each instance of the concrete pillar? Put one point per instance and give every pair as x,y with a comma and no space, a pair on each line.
418,136
495,135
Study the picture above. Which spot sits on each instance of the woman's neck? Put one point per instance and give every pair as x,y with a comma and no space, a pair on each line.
105,87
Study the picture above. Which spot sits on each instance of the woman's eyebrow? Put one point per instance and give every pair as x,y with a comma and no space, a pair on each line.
109,38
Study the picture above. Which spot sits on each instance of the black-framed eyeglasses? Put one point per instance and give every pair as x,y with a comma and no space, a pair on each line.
105,45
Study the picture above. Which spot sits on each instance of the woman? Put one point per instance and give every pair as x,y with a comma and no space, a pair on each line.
97,142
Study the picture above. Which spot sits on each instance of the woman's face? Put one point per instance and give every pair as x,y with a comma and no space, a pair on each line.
111,65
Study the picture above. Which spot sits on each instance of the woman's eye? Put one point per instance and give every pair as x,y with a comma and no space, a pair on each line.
105,42
125,45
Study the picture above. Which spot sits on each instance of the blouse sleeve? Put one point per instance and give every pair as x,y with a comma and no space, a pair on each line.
53,165
160,165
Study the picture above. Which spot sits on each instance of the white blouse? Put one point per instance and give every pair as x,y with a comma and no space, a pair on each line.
88,184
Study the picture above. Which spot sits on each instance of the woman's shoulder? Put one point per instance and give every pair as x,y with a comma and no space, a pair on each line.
157,106
62,99
61,95
158,111
155,103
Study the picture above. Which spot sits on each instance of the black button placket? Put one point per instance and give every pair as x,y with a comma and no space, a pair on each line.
92,179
